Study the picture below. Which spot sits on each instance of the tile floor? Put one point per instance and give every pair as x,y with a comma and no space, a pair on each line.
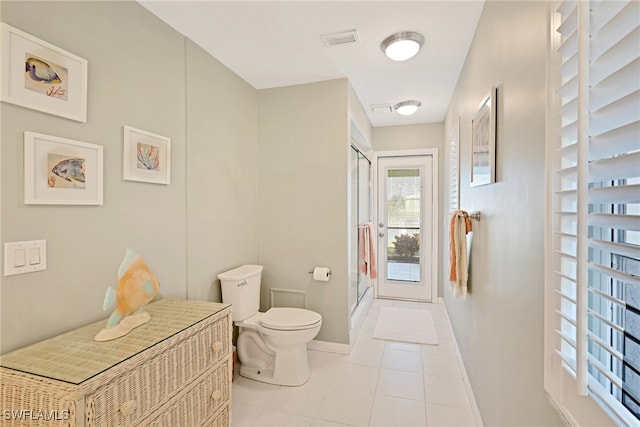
381,383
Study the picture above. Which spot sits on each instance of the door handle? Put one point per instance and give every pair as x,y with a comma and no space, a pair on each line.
381,225
381,234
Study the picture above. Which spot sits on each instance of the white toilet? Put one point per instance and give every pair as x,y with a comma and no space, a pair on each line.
272,346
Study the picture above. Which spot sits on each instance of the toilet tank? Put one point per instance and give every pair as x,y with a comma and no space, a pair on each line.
241,289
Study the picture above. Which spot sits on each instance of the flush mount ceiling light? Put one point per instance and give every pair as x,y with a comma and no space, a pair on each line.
402,46
407,108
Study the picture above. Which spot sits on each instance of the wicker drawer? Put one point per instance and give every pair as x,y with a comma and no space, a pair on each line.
219,420
200,402
143,387
174,371
52,406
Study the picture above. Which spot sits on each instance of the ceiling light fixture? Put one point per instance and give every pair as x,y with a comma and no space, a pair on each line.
407,108
402,46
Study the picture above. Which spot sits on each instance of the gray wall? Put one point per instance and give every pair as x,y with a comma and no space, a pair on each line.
222,172
410,137
208,219
202,223
499,326
303,151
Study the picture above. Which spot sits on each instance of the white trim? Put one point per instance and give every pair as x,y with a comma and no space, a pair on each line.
359,315
329,347
406,153
551,124
583,195
358,139
565,417
465,378
274,291
435,176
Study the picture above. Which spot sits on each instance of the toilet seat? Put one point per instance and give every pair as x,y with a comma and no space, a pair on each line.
289,319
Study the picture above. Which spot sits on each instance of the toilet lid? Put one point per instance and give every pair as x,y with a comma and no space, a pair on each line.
286,318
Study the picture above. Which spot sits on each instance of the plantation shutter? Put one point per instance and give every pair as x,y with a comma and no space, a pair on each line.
597,203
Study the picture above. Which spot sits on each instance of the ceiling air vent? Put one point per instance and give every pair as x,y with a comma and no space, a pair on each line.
335,39
381,108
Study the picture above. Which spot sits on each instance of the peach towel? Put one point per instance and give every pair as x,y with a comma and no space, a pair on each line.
459,227
366,251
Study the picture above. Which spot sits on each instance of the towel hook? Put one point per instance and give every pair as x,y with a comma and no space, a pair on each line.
475,215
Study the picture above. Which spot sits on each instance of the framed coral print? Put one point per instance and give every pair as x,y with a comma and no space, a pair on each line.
483,141
38,75
147,156
61,171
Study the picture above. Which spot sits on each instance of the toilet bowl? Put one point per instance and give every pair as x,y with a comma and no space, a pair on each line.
271,346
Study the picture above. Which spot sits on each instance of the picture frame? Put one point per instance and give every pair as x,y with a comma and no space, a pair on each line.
61,171
146,156
483,141
38,75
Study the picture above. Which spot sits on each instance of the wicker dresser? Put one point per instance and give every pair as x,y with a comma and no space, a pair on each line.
174,370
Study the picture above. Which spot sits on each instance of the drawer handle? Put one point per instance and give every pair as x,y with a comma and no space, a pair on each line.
217,346
216,395
128,407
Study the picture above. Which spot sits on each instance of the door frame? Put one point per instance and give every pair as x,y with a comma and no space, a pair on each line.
435,206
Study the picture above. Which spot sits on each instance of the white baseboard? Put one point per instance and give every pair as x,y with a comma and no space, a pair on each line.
465,378
329,347
359,316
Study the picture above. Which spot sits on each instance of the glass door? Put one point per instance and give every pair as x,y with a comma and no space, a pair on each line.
405,251
361,208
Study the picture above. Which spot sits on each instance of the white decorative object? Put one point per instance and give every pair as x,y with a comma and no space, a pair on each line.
137,285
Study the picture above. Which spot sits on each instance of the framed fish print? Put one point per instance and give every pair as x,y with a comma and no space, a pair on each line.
147,156
38,75
61,171
483,141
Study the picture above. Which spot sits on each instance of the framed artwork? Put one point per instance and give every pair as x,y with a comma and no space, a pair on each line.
38,75
60,171
483,142
454,166
147,156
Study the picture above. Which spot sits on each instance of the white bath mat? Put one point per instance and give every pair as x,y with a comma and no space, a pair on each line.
406,325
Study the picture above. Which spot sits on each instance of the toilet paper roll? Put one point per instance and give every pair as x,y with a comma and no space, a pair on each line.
321,274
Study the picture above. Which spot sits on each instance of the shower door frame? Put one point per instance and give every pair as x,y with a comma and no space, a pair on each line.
362,288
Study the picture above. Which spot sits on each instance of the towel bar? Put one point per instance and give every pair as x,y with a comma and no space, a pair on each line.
473,215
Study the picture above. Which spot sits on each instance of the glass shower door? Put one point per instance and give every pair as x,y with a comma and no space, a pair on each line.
360,214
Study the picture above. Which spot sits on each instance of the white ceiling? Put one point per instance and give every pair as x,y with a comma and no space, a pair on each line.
278,43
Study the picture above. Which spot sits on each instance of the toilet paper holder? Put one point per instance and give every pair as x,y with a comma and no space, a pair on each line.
329,272
321,274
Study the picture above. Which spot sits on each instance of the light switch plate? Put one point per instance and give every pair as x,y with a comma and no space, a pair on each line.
25,257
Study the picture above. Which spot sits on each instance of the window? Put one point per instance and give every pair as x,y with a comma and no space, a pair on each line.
595,206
